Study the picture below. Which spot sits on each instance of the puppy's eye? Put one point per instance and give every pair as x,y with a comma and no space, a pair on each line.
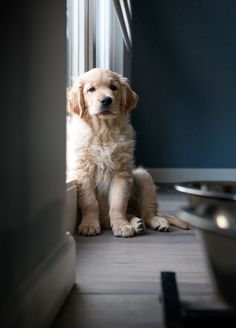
92,89
113,87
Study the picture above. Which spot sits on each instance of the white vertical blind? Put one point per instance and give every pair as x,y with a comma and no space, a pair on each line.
103,33
123,11
117,45
82,38
94,37
72,40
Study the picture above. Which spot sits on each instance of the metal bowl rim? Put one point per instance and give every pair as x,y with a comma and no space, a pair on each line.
203,223
185,188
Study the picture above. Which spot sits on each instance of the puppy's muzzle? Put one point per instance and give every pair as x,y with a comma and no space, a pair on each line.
106,101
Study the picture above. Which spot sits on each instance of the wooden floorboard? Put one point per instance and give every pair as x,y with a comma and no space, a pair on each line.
118,279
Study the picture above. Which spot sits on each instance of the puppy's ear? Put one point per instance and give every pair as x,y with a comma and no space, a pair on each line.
129,98
75,99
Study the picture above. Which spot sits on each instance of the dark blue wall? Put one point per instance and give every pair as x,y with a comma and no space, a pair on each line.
184,71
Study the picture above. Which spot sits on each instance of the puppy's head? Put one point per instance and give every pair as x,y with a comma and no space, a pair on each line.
101,93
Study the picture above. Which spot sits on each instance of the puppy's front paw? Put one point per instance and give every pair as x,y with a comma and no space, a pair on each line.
138,225
122,229
89,229
158,223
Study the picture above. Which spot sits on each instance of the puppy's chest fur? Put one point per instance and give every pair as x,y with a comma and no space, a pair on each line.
101,154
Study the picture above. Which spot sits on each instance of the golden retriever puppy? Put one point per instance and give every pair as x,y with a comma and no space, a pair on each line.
101,141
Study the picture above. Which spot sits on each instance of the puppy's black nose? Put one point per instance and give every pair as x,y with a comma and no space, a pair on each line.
106,101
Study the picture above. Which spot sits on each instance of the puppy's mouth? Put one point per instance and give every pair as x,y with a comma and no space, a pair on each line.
106,112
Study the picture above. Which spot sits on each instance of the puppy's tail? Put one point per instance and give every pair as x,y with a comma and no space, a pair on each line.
175,221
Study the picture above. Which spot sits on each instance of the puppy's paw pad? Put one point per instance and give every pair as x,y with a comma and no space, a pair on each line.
123,230
161,229
159,224
138,225
89,229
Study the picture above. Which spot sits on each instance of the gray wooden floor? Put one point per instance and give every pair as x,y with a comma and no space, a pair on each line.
118,280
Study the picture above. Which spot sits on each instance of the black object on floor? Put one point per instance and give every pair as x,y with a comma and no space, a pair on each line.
178,316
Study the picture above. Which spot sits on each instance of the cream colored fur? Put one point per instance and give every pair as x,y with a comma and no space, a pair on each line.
100,146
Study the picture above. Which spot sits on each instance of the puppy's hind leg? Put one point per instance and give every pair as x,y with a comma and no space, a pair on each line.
147,200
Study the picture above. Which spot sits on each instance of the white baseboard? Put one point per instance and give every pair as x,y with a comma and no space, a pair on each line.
170,175
37,300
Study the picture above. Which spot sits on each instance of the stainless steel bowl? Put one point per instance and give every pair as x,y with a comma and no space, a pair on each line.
212,209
